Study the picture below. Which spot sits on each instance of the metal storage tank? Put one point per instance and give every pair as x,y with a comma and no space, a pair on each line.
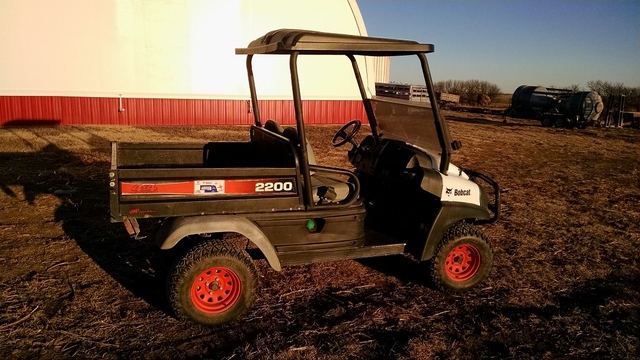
160,62
559,107
531,96
584,104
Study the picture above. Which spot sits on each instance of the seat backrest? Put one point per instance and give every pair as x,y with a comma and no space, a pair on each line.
273,126
271,150
291,133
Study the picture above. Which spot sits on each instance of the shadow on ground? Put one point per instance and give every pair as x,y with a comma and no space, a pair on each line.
500,123
82,188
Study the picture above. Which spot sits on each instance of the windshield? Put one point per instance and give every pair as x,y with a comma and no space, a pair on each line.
406,120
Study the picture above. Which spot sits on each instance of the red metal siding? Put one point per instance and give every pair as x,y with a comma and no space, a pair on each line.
46,110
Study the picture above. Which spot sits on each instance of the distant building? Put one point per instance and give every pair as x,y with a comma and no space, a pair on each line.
161,62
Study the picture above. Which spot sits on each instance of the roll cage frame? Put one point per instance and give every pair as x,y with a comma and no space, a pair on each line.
294,42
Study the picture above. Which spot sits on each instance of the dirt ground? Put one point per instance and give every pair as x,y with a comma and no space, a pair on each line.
565,282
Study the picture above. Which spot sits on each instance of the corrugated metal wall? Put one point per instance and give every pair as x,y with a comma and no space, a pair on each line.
47,110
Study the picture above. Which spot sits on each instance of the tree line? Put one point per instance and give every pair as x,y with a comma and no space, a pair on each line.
605,88
469,90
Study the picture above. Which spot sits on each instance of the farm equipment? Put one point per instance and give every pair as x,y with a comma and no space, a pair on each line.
403,91
403,197
555,107
413,93
445,98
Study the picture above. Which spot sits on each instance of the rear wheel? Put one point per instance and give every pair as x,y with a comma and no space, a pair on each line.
462,260
561,122
212,284
547,122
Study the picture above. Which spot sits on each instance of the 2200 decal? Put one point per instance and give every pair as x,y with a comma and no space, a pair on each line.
211,187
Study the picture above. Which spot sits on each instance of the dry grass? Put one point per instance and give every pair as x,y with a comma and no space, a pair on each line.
501,101
566,281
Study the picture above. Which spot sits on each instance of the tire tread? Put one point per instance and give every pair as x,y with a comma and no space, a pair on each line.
456,231
200,252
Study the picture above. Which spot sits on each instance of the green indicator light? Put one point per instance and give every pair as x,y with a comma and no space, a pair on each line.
311,225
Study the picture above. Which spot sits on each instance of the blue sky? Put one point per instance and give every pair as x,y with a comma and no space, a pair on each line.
511,43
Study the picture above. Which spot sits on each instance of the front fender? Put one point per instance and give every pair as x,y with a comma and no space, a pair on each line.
449,214
176,229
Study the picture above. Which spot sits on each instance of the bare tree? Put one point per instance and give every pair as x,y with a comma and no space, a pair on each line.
605,88
468,89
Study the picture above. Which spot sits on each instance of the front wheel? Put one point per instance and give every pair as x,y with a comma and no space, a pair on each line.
462,260
212,284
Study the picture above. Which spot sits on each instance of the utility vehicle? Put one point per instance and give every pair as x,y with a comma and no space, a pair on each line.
404,195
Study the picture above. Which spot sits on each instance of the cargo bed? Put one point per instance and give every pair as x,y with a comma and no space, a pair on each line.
177,179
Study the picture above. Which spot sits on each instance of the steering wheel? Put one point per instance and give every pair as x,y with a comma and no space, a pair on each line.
342,133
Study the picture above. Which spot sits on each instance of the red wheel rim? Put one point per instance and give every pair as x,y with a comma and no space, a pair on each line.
463,262
215,290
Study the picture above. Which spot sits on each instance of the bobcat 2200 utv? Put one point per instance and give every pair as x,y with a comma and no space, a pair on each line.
404,195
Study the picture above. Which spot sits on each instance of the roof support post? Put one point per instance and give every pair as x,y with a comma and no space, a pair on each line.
363,93
297,104
252,90
441,125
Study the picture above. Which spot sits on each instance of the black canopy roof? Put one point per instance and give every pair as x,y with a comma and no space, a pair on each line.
286,41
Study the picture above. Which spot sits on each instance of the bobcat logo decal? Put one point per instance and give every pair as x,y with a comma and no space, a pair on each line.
449,190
